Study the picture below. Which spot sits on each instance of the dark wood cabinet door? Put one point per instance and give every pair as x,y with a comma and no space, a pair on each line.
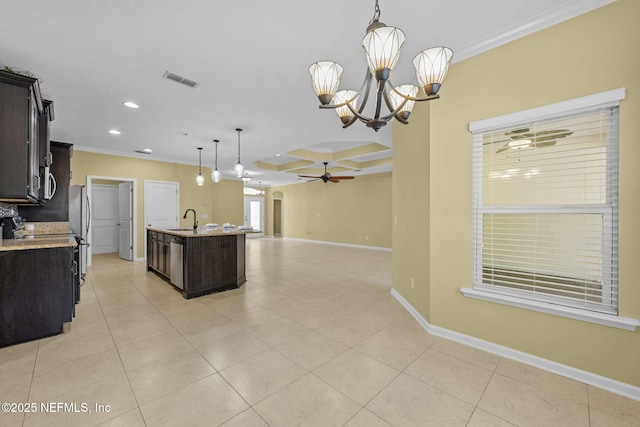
36,294
56,209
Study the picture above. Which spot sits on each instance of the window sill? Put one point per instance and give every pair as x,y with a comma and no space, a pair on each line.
625,323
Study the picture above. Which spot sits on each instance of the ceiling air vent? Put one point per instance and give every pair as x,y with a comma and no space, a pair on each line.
180,79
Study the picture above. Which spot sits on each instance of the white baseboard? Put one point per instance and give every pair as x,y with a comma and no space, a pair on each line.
614,386
324,242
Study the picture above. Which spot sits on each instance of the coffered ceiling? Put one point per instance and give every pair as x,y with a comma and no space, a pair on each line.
249,62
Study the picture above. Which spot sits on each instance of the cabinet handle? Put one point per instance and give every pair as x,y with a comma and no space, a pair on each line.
74,267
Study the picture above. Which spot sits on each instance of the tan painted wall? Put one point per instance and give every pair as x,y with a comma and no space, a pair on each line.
411,202
591,53
348,212
224,200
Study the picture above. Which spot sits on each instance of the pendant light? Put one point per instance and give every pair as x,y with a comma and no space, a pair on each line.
200,178
238,168
215,174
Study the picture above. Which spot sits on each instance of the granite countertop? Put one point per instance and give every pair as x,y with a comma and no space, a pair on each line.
201,231
37,243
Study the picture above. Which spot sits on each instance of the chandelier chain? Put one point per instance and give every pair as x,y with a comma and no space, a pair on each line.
376,14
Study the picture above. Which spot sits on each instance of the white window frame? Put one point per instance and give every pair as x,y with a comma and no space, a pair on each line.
601,100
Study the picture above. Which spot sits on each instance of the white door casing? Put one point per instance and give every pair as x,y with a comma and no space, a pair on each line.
125,219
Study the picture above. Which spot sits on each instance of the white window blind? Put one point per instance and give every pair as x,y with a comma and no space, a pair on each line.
546,209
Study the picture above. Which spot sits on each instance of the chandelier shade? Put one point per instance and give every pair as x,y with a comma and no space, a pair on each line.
325,77
346,97
401,99
383,50
382,45
431,67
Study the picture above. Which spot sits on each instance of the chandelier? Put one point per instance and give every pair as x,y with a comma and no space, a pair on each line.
382,47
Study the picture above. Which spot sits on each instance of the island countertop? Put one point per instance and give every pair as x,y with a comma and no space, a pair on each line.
201,231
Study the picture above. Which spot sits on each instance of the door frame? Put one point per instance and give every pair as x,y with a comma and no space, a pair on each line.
134,209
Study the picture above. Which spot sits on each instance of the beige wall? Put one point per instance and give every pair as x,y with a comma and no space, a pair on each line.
591,53
224,200
354,212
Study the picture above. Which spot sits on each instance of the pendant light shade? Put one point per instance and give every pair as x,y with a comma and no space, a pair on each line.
345,112
383,50
431,67
396,98
325,78
238,168
200,178
216,176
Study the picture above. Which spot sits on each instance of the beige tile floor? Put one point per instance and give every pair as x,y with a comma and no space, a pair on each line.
313,338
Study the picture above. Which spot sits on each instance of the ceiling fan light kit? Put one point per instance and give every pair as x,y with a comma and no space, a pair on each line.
382,45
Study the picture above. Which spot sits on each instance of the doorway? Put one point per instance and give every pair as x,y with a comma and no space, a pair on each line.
254,215
104,194
277,217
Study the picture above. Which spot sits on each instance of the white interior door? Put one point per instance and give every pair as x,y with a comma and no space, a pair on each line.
125,220
161,205
254,214
104,210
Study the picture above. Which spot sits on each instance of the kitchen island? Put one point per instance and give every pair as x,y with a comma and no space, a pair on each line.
197,262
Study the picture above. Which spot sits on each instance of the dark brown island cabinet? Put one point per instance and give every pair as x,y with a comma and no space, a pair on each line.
197,262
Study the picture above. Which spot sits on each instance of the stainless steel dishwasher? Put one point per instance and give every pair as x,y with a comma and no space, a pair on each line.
177,257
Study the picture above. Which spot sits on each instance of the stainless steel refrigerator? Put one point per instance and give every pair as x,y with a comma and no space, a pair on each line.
79,220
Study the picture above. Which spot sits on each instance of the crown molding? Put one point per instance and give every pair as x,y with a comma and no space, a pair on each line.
536,23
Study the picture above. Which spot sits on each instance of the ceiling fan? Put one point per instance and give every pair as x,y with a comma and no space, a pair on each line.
524,138
326,176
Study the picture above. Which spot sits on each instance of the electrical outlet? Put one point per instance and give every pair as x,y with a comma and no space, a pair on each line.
205,216
205,203
413,284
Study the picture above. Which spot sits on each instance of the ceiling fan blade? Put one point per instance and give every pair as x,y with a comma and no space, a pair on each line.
343,177
315,179
544,144
505,148
309,176
334,179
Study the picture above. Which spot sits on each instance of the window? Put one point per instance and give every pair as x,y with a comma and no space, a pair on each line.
545,206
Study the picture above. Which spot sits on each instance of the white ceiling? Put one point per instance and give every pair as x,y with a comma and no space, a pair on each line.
250,59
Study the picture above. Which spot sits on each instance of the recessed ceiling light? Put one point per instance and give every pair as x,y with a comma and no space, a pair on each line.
277,155
131,104
147,150
114,132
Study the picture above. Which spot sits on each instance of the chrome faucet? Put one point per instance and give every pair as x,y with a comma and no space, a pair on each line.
195,221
